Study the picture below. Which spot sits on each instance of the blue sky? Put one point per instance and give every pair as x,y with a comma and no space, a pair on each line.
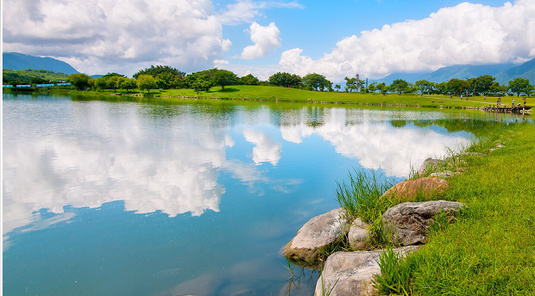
333,38
318,25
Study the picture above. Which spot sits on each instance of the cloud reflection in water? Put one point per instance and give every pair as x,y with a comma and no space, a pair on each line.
172,164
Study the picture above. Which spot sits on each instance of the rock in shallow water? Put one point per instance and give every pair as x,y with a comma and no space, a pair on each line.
351,273
318,233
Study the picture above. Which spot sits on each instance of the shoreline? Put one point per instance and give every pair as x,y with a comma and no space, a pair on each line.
294,96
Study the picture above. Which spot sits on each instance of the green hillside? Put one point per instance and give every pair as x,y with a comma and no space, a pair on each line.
31,76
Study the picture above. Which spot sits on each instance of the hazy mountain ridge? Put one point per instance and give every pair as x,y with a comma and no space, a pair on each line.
19,61
502,72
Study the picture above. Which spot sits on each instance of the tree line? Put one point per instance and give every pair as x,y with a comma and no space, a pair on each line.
484,85
166,77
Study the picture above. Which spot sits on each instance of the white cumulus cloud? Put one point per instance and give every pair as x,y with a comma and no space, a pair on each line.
464,34
97,36
265,39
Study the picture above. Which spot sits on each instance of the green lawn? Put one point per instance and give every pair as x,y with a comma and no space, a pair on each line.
274,94
281,94
490,249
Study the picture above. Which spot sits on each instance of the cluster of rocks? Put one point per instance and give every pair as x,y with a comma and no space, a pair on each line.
351,273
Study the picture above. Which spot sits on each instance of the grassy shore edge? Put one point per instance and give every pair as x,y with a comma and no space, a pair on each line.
273,94
490,249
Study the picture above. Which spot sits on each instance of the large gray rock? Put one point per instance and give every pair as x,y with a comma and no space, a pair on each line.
358,234
318,233
351,273
408,222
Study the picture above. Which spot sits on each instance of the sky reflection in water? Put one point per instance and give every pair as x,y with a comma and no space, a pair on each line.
85,170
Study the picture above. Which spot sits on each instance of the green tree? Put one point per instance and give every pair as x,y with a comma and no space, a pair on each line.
127,83
223,78
351,83
457,86
165,76
424,86
248,79
112,80
520,85
145,81
285,79
92,83
101,83
471,85
441,88
316,81
165,80
399,86
337,87
484,83
80,81
373,87
159,69
497,88
383,88
201,84
193,77
360,84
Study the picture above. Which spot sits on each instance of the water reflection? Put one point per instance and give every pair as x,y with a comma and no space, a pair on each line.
171,170
266,149
357,134
144,197
169,158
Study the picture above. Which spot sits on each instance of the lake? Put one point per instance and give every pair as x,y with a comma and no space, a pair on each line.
118,197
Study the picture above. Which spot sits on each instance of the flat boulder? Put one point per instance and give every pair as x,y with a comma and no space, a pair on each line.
318,233
411,190
409,222
351,273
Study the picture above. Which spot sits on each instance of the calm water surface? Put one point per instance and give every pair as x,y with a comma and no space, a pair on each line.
129,198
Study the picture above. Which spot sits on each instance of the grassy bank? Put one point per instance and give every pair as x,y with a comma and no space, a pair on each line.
281,94
490,249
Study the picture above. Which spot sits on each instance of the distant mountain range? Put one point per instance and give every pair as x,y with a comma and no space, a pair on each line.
19,61
502,72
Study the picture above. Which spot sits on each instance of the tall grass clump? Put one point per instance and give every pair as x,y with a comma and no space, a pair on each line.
395,274
361,198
